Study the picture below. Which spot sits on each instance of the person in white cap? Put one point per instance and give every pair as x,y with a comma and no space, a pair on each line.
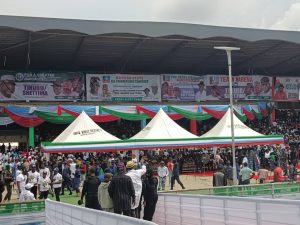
7,87
26,195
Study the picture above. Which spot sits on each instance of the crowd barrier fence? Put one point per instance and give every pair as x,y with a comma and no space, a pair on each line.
65,214
271,189
177,209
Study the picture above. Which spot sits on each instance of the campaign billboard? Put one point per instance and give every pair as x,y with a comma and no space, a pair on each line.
181,87
123,87
246,87
41,86
286,89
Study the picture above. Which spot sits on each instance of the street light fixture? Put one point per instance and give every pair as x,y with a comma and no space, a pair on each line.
228,52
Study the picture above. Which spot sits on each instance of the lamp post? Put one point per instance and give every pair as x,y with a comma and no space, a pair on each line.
228,52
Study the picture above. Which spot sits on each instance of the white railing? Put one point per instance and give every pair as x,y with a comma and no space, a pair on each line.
65,214
174,209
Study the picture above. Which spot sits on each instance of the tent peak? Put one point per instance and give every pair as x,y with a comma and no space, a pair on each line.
223,128
163,127
84,129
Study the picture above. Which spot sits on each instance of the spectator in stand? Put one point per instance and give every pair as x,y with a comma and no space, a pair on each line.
228,174
292,172
246,174
278,173
263,175
219,178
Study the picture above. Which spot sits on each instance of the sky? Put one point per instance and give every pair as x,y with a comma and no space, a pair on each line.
264,14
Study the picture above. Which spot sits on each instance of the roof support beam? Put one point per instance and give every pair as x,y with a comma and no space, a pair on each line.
24,43
254,57
160,63
28,51
127,56
77,51
293,57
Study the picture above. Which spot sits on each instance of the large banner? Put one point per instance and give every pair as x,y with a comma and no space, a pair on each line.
247,87
122,87
178,87
41,86
286,89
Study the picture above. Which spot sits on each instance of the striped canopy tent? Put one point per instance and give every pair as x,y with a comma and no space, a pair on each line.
243,134
161,133
84,129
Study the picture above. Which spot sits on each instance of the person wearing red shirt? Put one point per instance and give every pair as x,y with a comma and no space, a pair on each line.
170,166
278,174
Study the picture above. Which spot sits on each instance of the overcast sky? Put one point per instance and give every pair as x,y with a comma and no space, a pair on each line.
270,14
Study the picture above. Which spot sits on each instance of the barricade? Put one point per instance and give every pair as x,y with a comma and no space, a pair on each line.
178,209
271,189
60,213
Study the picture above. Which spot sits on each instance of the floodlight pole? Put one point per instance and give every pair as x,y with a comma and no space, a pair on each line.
228,52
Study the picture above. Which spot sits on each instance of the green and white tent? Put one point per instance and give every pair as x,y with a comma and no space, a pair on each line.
84,129
164,133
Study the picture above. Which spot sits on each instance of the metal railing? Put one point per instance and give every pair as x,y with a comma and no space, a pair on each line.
271,189
177,209
58,213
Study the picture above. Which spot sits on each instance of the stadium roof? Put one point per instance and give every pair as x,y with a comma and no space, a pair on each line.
143,47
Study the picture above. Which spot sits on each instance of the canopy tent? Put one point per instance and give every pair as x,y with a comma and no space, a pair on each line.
162,134
84,129
223,128
162,127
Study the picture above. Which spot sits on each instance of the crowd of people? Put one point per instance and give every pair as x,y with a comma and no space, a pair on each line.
120,183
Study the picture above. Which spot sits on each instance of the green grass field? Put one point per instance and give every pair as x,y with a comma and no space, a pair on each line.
70,199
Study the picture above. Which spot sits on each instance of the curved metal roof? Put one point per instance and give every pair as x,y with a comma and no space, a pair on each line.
143,47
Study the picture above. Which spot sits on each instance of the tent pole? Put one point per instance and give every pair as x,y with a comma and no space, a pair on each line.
193,126
31,136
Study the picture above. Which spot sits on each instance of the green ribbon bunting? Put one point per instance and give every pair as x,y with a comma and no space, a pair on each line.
257,115
190,115
241,117
64,118
125,116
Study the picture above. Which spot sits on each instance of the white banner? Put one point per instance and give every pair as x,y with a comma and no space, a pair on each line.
123,87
